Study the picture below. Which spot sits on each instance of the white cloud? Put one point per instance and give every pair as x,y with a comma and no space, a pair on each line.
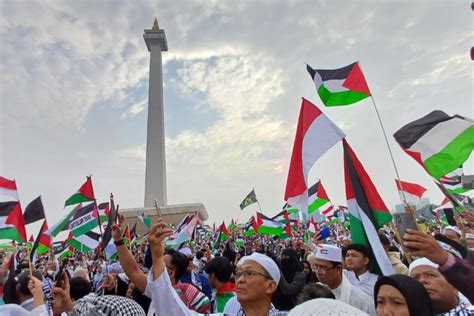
135,109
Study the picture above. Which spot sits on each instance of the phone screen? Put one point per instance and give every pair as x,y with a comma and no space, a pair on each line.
404,221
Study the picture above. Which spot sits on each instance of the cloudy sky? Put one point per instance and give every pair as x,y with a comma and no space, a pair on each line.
74,84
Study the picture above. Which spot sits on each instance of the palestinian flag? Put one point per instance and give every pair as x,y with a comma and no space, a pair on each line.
315,135
63,223
411,192
64,252
110,251
267,226
84,194
43,242
224,232
184,233
126,236
453,181
313,226
341,86
133,234
87,242
12,225
318,200
439,142
287,232
8,190
293,213
250,227
367,211
34,211
104,212
145,219
85,219
282,217
250,199
232,225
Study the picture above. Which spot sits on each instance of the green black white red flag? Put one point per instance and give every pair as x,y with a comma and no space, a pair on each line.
437,141
367,211
341,86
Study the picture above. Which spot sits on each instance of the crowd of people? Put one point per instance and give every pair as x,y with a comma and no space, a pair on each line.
259,275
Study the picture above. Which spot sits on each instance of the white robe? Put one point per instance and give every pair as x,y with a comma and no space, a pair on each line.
351,295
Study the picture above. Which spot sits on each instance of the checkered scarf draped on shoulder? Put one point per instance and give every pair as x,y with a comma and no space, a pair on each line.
106,305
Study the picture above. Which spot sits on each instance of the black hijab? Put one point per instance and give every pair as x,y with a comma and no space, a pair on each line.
415,294
291,265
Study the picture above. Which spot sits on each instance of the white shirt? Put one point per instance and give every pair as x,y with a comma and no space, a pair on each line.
351,295
16,310
364,282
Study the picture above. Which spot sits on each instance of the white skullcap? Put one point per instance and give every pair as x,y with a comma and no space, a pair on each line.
421,262
325,306
186,251
266,262
311,258
453,229
328,252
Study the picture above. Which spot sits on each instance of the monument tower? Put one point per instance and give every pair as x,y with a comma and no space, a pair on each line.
155,174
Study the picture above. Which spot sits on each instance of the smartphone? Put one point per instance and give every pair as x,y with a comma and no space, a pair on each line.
404,221
324,233
59,276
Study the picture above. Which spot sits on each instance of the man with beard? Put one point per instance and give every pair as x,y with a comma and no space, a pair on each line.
292,281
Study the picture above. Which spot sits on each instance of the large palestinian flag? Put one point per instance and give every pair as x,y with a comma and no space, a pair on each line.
411,192
318,200
437,141
85,219
315,135
367,211
341,86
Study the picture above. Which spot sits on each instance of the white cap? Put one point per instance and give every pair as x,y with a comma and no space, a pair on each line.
421,262
453,229
266,262
328,252
186,251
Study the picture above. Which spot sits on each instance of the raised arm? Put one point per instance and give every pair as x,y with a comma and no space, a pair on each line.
128,262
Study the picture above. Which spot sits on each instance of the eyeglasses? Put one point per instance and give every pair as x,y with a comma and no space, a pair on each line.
321,268
248,273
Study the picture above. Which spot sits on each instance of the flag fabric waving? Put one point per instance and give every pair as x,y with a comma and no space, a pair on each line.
268,226
87,242
341,86
34,211
315,135
453,181
84,194
437,141
85,219
318,200
411,191
367,211
145,219
8,190
104,211
43,242
12,225
250,199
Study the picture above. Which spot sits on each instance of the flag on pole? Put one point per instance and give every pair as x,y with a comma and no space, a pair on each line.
318,200
312,225
34,211
250,227
250,199
437,141
12,225
104,211
43,242
267,226
84,194
341,86
411,191
315,135
107,234
367,211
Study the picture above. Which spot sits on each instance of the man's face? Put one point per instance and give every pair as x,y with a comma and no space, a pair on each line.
434,282
356,260
325,271
255,286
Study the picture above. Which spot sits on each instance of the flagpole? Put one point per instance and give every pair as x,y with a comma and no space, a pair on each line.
402,195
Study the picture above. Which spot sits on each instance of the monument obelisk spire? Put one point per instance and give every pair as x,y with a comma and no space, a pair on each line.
155,174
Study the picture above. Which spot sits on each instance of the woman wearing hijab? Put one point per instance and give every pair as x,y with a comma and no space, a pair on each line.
401,295
291,282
